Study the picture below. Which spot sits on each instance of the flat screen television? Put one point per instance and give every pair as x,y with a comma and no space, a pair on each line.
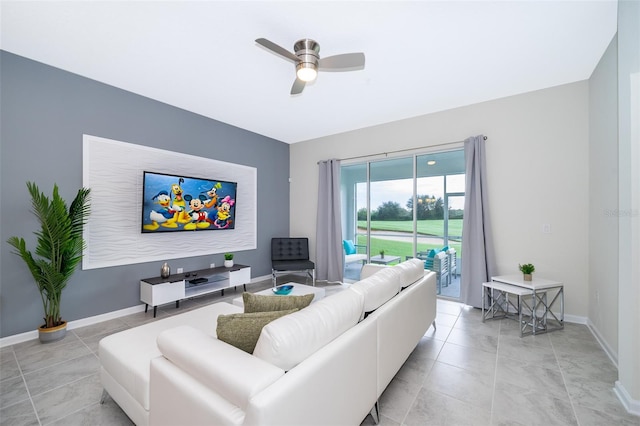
174,203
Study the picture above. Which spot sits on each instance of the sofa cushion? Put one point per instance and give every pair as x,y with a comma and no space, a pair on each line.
291,339
261,303
370,269
411,271
243,330
378,288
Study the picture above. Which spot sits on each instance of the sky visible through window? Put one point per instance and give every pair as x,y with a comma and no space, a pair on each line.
401,190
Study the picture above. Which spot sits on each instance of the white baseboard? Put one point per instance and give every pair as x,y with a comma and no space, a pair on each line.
630,404
18,338
611,352
83,322
31,335
575,319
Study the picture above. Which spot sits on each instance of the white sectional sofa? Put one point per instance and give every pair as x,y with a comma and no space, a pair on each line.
326,364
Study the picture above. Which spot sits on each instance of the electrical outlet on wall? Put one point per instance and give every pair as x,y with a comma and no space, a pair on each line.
213,265
180,270
546,228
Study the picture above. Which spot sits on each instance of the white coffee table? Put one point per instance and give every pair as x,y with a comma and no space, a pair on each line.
298,290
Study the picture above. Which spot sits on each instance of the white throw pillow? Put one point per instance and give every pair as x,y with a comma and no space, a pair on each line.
289,340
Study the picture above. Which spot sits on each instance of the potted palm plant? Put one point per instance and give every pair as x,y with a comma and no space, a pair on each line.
58,251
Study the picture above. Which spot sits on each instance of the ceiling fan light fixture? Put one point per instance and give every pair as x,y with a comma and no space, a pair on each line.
306,72
306,58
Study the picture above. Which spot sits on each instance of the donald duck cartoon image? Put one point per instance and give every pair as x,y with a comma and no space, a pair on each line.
164,215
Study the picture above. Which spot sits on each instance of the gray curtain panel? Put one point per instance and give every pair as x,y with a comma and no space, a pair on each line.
329,259
478,265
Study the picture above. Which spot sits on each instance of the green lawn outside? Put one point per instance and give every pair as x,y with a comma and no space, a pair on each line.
425,227
405,248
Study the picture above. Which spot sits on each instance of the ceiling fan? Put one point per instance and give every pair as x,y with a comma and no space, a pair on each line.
307,61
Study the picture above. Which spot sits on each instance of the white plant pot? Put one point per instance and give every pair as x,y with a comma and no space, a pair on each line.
228,263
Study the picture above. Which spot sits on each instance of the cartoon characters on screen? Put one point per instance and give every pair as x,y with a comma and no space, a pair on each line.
223,217
193,212
179,203
199,216
165,215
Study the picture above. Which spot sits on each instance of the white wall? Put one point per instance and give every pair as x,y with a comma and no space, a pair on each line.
628,384
603,201
537,156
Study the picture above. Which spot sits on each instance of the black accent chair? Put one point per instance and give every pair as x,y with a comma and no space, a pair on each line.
291,254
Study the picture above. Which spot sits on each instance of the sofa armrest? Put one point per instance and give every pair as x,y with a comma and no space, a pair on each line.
230,372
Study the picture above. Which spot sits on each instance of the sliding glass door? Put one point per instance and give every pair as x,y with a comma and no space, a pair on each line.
405,207
391,225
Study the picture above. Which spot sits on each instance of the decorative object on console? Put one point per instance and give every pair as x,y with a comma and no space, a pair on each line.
527,269
180,203
382,254
165,270
228,260
59,248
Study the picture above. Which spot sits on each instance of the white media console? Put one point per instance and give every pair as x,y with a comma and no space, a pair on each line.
157,291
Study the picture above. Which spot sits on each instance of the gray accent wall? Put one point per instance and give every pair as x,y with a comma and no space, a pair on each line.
44,113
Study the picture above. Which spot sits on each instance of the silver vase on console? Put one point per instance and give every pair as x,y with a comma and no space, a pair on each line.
165,270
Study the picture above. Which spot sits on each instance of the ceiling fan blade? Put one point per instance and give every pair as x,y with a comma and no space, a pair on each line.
297,87
277,49
344,62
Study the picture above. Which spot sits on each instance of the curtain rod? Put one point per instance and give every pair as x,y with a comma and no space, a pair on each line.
397,151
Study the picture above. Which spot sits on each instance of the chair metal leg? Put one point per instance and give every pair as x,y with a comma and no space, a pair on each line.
273,277
434,324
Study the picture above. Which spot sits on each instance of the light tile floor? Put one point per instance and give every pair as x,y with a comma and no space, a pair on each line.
463,373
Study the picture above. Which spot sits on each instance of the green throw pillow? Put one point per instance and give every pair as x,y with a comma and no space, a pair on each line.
243,330
260,303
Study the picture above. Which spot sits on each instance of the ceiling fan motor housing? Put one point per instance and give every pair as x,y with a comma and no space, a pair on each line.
308,51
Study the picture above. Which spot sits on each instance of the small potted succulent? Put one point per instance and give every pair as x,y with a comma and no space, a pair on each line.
527,269
382,254
228,260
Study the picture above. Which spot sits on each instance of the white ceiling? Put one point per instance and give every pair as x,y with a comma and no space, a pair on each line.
421,56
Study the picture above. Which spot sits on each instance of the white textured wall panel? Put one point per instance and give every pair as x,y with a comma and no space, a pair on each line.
113,170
